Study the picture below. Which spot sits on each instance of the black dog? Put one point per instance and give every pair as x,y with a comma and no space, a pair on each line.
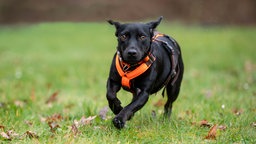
145,62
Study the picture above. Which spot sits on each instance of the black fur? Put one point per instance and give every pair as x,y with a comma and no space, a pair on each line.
134,43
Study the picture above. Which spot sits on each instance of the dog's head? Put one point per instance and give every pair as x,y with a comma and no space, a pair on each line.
134,39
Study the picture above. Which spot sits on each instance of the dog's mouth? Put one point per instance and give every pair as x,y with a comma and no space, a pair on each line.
131,59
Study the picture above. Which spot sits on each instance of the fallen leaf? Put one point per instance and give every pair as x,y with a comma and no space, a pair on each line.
9,135
222,127
205,123
84,121
42,119
103,113
5,136
53,126
29,123
253,124
2,127
31,134
54,118
237,111
212,133
193,123
159,103
74,130
19,103
52,98
52,121
12,134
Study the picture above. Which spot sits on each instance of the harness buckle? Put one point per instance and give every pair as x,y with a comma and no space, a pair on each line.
126,67
173,73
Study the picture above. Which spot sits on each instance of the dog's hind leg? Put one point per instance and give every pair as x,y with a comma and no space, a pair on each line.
173,88
172,93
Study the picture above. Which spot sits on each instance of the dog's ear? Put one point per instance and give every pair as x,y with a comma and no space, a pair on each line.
152,25
116,24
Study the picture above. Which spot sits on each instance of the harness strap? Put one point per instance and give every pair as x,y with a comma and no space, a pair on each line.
174,58
156,36
127,76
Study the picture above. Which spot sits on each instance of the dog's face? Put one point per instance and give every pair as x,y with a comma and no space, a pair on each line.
134,39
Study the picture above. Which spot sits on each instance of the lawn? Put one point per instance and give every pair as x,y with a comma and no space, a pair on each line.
53,84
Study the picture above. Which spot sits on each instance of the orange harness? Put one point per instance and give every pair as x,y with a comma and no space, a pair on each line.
144,65
127,76
156,36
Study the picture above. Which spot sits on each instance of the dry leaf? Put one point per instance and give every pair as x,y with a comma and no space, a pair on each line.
29,123
42,119
12,134
103,113
212,133
9,135
31,134
74,129
237,111
222,127
205,123
53,126
84,121
19,103
193,123
52,98
159,103
54,118
2,127
253,124
52,122
5,136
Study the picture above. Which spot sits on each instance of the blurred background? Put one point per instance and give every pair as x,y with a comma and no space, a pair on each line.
205,12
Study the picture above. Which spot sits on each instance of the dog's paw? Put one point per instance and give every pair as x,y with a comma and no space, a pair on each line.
118,123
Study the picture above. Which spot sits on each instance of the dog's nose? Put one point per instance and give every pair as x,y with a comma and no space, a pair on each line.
132,52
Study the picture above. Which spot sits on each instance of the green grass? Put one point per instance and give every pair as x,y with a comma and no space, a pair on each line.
74,59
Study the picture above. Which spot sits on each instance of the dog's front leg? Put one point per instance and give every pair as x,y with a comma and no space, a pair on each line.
127,112
113,101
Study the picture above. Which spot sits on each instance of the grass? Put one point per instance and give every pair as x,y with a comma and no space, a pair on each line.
73,60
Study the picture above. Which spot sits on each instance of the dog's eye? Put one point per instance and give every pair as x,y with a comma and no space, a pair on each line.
123,37
142,37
